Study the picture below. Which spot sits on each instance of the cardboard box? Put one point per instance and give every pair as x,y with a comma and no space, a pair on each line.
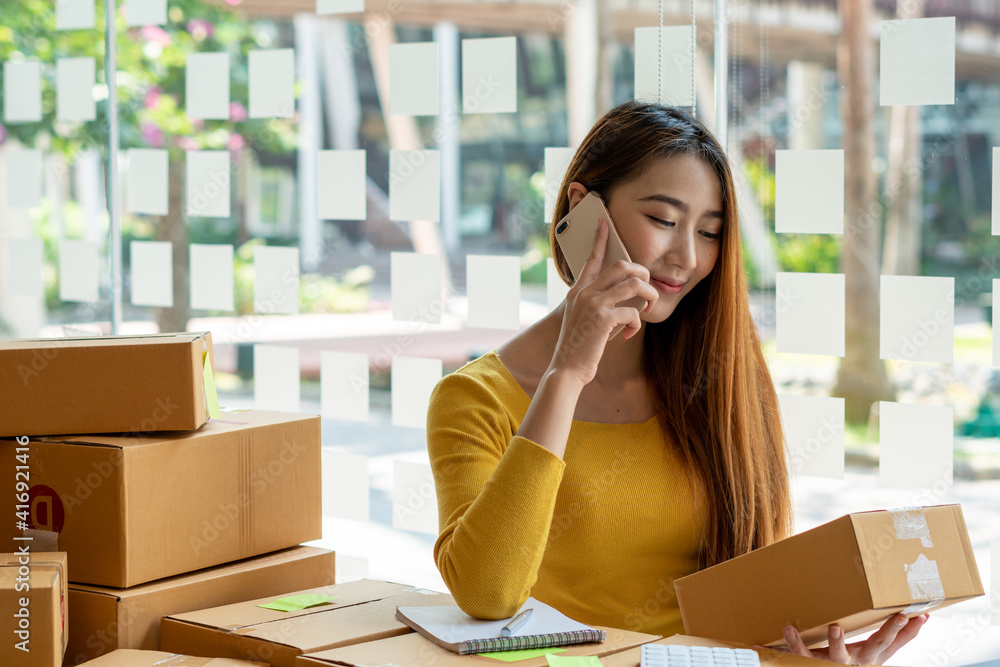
103,384
33,600
130,509
134,658
414,650
768,658
105,619
856,571
363,611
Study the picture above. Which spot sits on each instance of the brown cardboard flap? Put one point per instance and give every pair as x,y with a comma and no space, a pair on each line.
248,614
413,650
336,626
89,341
366,613
136,658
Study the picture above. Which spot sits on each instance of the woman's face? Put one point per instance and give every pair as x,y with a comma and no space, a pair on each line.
670,221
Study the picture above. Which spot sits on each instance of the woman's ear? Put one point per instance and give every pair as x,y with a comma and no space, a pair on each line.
576,191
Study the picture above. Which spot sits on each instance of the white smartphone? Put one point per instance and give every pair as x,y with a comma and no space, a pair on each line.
575,234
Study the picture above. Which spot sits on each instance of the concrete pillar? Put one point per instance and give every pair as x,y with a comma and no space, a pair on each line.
310,136
342,101
447,134
806,103
581,40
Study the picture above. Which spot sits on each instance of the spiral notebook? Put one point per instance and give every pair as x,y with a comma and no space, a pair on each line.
453,629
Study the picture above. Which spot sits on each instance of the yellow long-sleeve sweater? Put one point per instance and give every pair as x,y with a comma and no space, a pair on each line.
600,534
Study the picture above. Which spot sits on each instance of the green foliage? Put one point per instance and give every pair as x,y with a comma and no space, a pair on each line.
809,253
762,179
979,243
325,294
534,264
151,64
750,268
317,293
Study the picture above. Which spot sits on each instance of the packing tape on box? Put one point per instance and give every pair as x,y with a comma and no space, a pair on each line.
924,581
209,392
921,607
43,540
910,524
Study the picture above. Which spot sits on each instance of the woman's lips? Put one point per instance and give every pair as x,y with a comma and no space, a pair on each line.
667,287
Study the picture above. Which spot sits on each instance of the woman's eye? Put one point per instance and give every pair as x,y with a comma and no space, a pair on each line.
668,223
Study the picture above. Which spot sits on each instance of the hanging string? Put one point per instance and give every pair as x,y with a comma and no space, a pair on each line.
736,85
659,66
694,47
762,83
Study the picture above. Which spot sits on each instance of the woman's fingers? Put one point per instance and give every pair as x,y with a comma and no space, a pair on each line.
908,632
871,649
594,264
794,641
634,324
837,652
632,286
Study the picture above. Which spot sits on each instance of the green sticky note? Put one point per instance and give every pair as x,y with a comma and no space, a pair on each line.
210,393
523,654
573,661
297,602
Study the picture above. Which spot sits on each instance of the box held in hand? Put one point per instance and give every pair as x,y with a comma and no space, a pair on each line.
857,571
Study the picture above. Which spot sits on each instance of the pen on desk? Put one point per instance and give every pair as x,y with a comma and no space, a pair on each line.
515,623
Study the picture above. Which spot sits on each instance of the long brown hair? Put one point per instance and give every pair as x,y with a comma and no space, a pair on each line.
714,390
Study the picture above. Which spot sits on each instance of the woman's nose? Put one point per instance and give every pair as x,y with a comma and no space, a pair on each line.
682,251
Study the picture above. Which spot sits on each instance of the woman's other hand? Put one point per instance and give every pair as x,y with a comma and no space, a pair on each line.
875,650
591,312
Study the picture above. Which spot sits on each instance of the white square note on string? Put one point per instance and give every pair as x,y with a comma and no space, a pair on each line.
664,68
917,61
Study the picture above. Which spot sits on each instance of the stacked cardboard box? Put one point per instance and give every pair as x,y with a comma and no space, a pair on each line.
162,502
108,618
33,600
105,384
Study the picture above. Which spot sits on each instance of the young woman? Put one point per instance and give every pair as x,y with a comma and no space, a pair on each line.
590,473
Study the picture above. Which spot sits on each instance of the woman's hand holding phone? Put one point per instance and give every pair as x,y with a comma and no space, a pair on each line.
591,313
